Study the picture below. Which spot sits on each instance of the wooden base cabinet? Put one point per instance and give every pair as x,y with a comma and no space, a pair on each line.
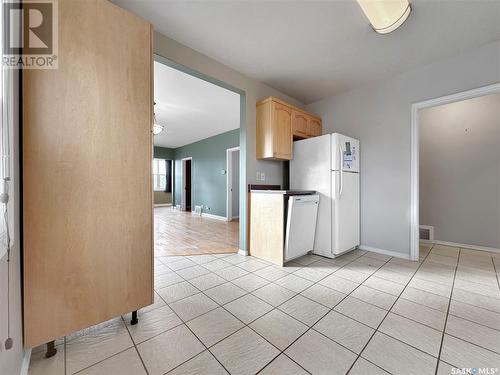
279,124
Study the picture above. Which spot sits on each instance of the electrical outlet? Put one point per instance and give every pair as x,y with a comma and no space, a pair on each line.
258,176
263,176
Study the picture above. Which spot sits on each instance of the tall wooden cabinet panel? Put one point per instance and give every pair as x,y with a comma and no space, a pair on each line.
87,194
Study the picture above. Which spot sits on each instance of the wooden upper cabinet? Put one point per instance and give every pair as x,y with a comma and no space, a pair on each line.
278,124
274,131
314,126
300,125
282,131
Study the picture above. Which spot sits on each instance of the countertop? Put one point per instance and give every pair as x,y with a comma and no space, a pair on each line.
284,192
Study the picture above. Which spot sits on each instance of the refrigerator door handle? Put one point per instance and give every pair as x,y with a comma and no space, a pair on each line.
341,170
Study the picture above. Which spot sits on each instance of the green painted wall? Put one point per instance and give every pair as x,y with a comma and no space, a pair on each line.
161,197
164,153
209,160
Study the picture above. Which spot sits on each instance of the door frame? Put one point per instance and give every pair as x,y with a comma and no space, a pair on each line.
414,170
183,190
243,230
229,179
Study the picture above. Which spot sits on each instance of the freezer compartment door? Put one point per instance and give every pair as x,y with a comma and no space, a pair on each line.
311,162
310,169
301,225
346,219
345,153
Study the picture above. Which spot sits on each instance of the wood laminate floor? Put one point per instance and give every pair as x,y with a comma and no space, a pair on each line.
181,233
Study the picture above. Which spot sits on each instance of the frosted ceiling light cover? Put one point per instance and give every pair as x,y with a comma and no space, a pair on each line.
385,15
157,129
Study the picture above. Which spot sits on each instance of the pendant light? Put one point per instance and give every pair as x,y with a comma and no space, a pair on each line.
157,128
385,15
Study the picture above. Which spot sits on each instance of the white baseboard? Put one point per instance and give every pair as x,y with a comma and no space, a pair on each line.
466,246
26,362
242,252
215,217
384,252
163,205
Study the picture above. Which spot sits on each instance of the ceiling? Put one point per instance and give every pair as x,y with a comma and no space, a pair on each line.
191,109
313,49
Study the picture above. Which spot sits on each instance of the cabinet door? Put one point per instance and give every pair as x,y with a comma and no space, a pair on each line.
299,125
87,194
282,131
314,127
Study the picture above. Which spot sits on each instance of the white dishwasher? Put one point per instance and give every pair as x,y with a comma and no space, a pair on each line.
300,225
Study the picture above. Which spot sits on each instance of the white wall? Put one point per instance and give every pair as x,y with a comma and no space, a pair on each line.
460,171
235,177
379,115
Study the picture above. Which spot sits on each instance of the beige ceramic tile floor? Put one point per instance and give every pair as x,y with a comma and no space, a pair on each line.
361,313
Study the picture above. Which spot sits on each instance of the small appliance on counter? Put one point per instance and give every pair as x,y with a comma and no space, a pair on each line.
329,164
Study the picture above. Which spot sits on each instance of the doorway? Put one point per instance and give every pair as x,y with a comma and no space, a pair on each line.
415,157
232,183
200,119
187,191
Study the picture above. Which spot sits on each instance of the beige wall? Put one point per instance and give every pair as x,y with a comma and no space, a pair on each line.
254,90
460,171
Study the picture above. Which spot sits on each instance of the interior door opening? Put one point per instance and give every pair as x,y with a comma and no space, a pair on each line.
428,208
198,119
187,182
232,183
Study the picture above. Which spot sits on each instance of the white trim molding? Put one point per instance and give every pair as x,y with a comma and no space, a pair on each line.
466,246
414,168
163,205
384,252
215,217
26,362
243,252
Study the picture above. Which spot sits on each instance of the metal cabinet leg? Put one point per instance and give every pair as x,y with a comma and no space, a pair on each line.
134,320
51,349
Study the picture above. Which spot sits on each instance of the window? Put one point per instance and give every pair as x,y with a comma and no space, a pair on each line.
162,175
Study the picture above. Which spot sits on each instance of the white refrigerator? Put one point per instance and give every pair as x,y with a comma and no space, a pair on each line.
329,164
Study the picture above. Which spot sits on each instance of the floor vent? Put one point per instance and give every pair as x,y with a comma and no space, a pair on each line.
197,210
427,232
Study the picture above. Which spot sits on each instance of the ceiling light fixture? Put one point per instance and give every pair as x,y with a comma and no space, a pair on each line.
157,128
385,15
